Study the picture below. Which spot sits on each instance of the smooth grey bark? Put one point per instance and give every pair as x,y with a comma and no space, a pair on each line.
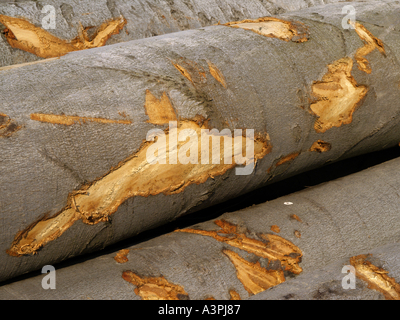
268,80
354,215
145,18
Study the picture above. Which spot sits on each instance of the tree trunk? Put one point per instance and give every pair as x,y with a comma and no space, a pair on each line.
293,247
76,174
142,18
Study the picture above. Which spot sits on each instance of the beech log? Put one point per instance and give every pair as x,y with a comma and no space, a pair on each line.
74,130
294,247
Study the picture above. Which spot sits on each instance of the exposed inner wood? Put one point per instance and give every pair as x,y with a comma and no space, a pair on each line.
234,295
275,228
287,158
136,176
338,96
121,256
377,278
7,126
192,71
21,34
320,146
70,120
284,159
274,28
160,111
296,217
155,288
276,248
254,278
371,43
183,71
217,74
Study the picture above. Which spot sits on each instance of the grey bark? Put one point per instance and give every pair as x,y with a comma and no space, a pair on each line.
350,216
145,18
268,80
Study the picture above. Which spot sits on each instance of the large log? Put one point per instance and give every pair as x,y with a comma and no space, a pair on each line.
30,20
74,169
293,247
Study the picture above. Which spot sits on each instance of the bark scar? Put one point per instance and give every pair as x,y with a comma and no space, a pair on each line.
370,44
160,111
217,74
155,288
121,256
275,247
23,35
338,96
191,70
285,159
254,278
135,176
320,146
377,278
274,28
7,126
70,120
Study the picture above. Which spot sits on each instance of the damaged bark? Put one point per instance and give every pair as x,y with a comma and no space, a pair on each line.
344,223
375,277
76,175
25,37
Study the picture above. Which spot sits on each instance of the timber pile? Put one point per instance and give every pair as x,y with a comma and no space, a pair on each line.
74,130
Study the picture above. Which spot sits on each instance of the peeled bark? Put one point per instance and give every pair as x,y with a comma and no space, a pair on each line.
140,19
293,247
74,171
